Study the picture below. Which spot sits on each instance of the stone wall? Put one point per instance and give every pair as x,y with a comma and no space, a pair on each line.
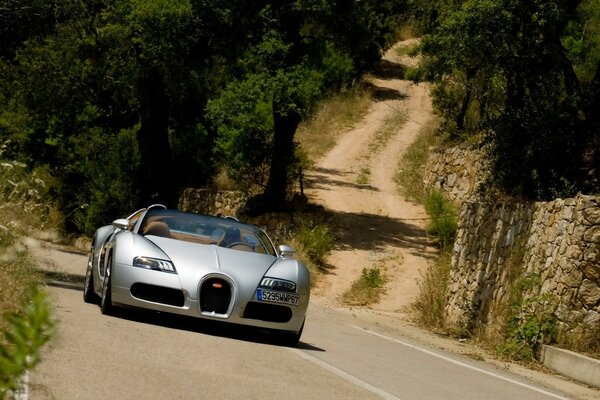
457,171
559,241
212,202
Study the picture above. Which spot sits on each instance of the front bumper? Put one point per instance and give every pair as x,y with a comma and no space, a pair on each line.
161,291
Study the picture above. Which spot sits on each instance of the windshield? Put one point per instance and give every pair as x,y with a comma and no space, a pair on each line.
207,230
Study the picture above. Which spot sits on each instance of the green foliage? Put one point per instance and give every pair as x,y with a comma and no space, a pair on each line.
532,321
243,116
315,242
442,216
112,95
499,67
411,168
26,333
582,40
367,289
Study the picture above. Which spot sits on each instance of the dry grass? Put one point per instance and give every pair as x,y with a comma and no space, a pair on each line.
367,289
390,126
585,339
411,168
431,300
24,211
16,274
336,114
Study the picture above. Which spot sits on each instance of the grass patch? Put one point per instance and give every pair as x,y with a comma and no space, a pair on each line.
367,289
339,112
313,244
364,176
584,338
411,173
431,300
443,224
390,126
402,51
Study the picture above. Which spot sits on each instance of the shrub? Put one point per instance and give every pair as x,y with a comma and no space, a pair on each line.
532,321
367,289
443,219
26,333
315,242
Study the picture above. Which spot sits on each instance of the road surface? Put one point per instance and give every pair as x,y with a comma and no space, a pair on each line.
143,355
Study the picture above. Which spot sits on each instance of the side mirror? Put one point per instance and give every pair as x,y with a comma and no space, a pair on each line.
121,224
286,251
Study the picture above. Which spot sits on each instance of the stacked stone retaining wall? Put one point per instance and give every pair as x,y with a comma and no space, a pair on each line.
557,241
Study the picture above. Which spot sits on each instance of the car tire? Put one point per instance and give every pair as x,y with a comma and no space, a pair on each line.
106,305
290,339
89,296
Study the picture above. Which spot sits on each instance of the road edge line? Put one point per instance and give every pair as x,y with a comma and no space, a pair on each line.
462,364
350,378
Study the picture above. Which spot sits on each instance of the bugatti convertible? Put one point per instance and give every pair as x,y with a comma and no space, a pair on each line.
201,266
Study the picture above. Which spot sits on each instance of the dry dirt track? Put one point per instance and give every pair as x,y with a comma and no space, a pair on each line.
378,227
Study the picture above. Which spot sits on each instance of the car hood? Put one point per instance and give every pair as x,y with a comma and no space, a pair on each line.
193,261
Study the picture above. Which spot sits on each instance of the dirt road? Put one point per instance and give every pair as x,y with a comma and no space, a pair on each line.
378,227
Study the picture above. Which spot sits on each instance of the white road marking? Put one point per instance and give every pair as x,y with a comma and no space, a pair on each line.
350,378
450,360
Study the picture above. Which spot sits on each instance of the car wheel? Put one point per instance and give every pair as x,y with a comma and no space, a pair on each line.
106,305
289,338
89,296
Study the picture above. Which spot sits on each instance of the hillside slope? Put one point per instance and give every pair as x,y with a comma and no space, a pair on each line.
355,181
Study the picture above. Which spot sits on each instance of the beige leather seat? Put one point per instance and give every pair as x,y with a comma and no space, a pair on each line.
157,228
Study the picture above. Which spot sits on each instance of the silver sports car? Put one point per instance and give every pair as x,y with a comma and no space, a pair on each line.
201,266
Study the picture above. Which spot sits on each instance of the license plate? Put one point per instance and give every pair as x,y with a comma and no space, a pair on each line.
277,297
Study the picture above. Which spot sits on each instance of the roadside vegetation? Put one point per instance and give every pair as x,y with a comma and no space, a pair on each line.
25,323
523,80
312,243
337,113
367,289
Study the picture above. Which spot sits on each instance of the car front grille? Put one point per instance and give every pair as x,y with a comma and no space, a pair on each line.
158,294
267,312
215,295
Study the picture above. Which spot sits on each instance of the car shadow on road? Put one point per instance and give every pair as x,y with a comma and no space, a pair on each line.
208,327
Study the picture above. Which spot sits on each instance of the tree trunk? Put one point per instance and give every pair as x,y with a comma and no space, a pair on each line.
285,123
156,164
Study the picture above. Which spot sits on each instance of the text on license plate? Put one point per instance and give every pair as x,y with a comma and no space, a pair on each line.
277,297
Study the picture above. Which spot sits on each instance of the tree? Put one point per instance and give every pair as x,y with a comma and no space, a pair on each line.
500,68
294,53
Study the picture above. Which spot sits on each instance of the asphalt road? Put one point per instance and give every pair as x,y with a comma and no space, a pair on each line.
144,355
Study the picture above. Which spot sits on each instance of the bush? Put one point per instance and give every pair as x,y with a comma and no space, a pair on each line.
26,333
315,242
367,289
532,321
443,219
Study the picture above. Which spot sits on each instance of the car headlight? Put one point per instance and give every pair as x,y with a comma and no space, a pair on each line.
277,284
154,264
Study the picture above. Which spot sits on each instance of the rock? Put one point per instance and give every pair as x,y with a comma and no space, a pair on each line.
589,293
